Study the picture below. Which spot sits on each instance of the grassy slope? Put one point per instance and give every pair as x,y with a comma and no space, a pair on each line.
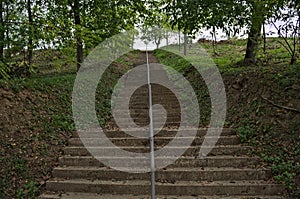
36,122
274,131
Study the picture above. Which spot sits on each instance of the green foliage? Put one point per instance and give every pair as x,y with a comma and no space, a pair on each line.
30,190
246,133
190,16
4,70
230,15
283,170
169,59
26,28
19,172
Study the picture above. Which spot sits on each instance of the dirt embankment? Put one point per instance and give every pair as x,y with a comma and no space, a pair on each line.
28,151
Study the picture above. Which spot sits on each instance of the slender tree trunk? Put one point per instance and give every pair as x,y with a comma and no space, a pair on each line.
185,44
179,39
132,40
214,39
299,31
167,37
79,43
2,32
157,41
252,44
30,40
8,42
265,38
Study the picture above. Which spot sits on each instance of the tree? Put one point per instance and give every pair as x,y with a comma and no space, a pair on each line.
30,32
256,23
95,21
289,29
2,32
76,7
62,24
261,11
191,16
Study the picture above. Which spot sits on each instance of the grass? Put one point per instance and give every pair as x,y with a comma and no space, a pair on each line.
193,77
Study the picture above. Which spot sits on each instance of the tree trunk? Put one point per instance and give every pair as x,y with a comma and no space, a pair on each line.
299,31
8,42
167,37
2,32
265,38
294,59
179,40
252,44
79,45
214,39
132,40
185,44
257,22
30,35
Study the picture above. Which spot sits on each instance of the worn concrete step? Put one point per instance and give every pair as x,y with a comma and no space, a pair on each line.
184,162
192,151
224,188
164,175
142,106
165,132
144,99
141,77
71,195
156,97
159,141
145,119
141,90
168,104
143,96
145,114
125,123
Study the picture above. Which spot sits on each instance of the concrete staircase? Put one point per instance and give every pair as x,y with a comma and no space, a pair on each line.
229,171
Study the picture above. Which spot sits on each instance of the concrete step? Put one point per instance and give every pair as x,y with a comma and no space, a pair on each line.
165,132
184,162
144,123
145,119
144,105
159,141
192,151
157,122
143,95
71,195
143,115
225,188
156,97
175,106
165,175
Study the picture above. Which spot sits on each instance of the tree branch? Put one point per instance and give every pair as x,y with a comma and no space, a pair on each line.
279,106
